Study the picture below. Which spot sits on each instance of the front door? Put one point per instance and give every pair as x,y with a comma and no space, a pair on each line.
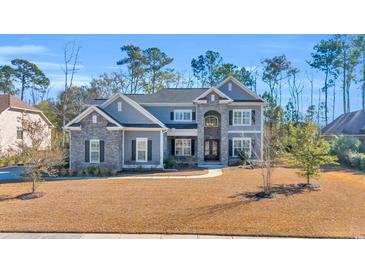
211,150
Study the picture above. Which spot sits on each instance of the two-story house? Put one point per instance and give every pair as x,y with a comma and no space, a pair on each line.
12,112
194,125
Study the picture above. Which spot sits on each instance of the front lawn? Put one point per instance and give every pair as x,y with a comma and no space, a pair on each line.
216,205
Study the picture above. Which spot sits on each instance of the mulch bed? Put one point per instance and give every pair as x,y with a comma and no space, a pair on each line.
218,205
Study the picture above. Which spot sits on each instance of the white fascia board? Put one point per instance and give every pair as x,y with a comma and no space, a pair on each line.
87,112
72,128
244,131
167,104
216,90
182,132
247,104
142,129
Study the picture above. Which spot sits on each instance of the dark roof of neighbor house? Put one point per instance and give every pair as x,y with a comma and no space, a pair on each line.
9,101
352,123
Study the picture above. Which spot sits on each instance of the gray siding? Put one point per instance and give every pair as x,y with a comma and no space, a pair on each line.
128,114
236,93
151,135
163,113
112,143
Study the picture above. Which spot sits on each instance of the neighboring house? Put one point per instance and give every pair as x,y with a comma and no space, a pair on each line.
12,110
194,125
351,124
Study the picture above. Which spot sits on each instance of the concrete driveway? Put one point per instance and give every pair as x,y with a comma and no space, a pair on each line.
11,174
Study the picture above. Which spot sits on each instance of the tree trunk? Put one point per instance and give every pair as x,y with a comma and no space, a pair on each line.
23,88
334,101
326,99
33,186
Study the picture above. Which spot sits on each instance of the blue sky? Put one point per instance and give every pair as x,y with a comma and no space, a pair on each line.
99,53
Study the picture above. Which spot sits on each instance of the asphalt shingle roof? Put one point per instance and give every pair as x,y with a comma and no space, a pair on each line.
9,101
169,95
351,123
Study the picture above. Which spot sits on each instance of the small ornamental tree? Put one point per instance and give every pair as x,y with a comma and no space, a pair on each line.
38,157
310,151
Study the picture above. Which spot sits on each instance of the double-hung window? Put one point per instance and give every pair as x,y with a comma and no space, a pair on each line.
242,117
241,144
141,149
94,151
183,147
183,115
19,134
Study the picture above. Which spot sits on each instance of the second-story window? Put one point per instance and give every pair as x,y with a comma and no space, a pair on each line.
183,115
242,117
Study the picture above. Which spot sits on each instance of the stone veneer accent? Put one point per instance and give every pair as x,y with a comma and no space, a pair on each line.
224,121
112,143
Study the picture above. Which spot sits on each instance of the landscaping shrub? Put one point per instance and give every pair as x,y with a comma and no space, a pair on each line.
355,160
103,171
343,145
113,172
169,162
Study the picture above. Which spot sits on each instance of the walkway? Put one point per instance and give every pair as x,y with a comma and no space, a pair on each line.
211,173
112,236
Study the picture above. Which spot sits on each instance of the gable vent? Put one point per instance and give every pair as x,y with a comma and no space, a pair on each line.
230,86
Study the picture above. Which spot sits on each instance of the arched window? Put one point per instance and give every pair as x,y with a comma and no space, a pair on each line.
211,121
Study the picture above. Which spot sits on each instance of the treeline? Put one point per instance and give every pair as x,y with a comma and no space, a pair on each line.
339,62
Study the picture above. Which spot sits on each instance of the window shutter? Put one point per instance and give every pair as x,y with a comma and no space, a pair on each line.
253,117
172,116
230,146
101,147
149,149
194,116
133,150
192,147
87,151
230,117
172,146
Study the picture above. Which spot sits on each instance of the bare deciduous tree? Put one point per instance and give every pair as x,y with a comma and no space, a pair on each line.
71,58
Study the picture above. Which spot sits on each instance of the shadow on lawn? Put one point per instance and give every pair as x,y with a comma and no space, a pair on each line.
24,196
249,197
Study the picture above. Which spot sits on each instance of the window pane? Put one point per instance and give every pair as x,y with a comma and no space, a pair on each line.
182,147
246,117
237,117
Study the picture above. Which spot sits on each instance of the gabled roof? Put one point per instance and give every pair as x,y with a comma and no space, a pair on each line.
352,123
76,121
11,102
213,89
134,104
242,86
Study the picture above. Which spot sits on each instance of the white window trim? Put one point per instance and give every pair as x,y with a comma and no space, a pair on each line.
183,110
91,141
183,148
229,86
242,139
95,119
212,97
214,117
142,140
119,106
242,110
